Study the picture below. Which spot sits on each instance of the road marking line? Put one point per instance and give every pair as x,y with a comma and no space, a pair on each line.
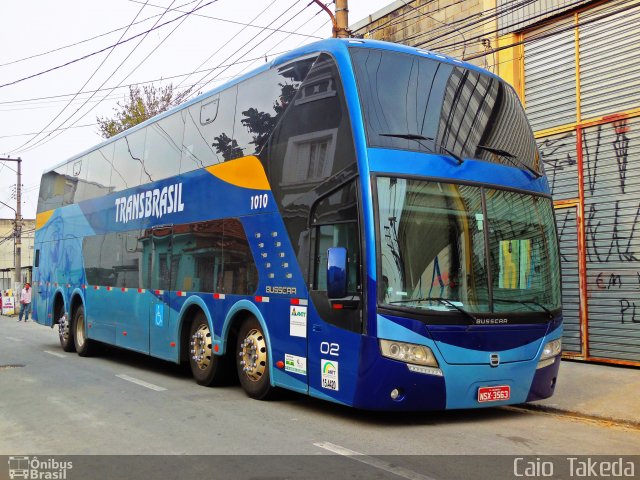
13,339
373,462
141,383
55,354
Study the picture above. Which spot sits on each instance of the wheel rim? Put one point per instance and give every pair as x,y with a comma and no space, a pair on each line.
80,330
201,347
63,329
253,354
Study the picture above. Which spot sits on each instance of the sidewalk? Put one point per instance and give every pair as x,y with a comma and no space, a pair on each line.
607,392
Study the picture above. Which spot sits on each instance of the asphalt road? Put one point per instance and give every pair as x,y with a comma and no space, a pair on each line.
122,403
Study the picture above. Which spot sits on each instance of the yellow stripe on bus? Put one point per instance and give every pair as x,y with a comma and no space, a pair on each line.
245,172
43,218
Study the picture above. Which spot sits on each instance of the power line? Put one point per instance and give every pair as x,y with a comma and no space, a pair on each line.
54,130
266,53
238,23
162,79
83,86
88,39
150,81
485,18
204,77
176,9
251,40
506,8
448,25
553,32
319,12
184,17
225,44
103,49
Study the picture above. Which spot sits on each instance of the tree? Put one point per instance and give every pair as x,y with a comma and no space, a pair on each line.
141,105
262,124
227,147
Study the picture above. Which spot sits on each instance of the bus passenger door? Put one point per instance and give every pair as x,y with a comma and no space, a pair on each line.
160,289
335,330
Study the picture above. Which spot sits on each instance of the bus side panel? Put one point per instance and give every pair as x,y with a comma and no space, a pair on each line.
290,349
98,312
279,281
157,321
130,316
334,360
40,295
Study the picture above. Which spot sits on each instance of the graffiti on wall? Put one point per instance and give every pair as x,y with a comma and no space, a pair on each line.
612,213
558,155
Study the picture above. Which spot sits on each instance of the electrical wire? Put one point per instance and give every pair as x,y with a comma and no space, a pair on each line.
84,57
236,22
554,32
485,18
88,39
204,79
496,31
134,84
227,42
251,40
267,53
85,84
184,17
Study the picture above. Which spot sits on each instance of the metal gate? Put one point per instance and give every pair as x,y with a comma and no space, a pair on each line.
582,93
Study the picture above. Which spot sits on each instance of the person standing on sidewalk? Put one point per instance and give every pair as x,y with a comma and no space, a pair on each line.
25,302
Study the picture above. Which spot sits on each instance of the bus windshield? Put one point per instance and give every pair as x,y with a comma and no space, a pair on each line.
412,102
446,247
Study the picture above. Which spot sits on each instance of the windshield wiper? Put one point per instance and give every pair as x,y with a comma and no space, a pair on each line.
526,302
512,158
446,301
417,138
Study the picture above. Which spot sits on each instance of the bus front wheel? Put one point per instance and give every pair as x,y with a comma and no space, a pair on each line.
207,368
252,360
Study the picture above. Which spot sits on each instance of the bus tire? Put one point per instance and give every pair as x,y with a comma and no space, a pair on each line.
252,360
65,332
207,368
84,346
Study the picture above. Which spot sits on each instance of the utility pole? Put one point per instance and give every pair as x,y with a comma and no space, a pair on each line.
342,19
17,227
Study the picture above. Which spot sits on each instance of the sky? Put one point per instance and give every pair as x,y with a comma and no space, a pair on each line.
59,68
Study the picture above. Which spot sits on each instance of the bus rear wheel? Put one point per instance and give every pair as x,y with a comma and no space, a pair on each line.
84,346
64,331
252,360
207,368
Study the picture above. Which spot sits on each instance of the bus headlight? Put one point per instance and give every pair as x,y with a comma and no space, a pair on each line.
549,352
551,349
408,353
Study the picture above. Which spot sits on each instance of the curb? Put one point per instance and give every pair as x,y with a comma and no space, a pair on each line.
579,415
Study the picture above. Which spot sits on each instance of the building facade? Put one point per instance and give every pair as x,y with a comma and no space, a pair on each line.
574,65
7,252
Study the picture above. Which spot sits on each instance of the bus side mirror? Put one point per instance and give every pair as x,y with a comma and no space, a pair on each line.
337,272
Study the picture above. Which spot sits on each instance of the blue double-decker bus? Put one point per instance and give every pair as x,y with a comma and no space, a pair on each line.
364,222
